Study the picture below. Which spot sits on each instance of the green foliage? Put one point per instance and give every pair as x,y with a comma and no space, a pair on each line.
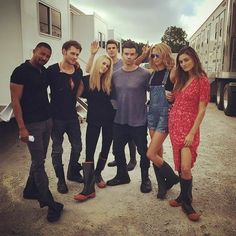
175,37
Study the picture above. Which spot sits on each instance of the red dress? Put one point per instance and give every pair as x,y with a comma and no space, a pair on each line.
183,114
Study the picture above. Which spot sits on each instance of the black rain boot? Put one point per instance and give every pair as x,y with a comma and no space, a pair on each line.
186,186
89,183
99,168
178,201
73,172
61,184
30,191
167,172
132,150
162,189
122,177
54,209
146,185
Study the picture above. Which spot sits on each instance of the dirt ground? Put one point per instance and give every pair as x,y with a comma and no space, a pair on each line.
124,210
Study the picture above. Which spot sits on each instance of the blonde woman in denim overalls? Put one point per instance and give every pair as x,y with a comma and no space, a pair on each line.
160,85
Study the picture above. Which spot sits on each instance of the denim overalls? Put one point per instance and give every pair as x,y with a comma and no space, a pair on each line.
158,106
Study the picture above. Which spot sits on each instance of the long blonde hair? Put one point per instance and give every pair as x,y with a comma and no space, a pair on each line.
165,51
98,81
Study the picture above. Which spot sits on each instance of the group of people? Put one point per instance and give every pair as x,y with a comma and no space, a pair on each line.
116,91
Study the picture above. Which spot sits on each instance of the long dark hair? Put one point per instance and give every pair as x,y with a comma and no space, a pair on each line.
182,76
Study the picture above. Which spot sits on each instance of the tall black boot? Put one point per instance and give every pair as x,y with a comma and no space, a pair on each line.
186,186
54,208
178,201
89,183
162,189
73,172
146,185
167,172
61,184
99,168
30,191
132,151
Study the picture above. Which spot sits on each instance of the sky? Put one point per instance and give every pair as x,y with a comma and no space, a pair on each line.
146,20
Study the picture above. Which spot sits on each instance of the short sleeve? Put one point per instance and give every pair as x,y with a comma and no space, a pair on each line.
18,76
204,89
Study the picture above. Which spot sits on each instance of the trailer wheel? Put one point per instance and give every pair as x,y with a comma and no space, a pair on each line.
229,104
219,94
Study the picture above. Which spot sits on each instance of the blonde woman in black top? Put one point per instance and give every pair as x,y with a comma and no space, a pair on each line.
97,90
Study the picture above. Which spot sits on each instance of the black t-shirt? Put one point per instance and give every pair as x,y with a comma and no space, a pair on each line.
63,92
158,78
34,101
100,110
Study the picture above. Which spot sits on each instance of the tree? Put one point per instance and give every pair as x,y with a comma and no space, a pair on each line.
175,37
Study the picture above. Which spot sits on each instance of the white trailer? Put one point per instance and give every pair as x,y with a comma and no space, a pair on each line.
215,43
23,24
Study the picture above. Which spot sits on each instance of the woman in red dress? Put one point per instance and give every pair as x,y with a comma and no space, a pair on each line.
191,94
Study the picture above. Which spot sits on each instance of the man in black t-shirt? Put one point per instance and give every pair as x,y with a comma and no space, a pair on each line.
31,109
65,80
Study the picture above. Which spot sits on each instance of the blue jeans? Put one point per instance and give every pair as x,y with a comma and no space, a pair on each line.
72,129
122,134
38,150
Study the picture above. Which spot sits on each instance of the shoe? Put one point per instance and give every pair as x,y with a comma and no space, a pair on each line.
118,181
89,183
81,197
190,212
146,185
112,163
54,213
99,181
176,202
131,165
186,192
97,173
161,183
62,187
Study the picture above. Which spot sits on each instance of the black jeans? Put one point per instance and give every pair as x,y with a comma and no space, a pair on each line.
92,135
122,134
72,129
38,150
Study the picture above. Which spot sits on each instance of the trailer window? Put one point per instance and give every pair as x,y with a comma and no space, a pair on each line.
101,40
49,20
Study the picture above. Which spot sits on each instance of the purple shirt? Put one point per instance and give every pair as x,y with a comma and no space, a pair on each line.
129,89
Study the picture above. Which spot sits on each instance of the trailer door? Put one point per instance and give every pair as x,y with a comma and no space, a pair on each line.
233,40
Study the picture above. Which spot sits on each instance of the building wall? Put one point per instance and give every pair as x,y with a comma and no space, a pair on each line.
10,45
85,30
